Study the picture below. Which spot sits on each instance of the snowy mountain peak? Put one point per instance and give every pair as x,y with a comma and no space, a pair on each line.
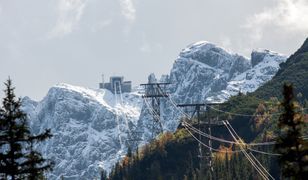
214,56
104,97
260,55
92,128
204,46
215,74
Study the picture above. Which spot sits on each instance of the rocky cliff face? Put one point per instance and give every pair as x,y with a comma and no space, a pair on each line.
203,70
264,65
204,73
92,128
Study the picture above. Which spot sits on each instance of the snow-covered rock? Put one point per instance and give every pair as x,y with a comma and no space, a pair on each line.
91,127
265,65
204,72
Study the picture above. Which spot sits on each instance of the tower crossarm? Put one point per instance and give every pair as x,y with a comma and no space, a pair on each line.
154,92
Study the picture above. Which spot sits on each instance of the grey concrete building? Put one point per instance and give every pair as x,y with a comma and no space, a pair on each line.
117,85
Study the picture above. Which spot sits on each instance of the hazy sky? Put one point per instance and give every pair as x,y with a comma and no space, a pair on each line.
45,42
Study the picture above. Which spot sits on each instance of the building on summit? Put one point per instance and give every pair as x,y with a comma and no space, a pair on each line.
117,85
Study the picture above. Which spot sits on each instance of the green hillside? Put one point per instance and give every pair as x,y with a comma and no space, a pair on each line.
294,70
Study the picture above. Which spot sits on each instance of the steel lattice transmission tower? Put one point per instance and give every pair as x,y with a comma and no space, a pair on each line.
207,125
154,92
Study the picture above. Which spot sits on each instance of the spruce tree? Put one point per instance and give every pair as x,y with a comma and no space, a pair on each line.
35,164
18,159
13,135
104,175
290,143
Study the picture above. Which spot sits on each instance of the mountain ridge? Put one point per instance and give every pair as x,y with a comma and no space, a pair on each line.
296,66
90,126
250,116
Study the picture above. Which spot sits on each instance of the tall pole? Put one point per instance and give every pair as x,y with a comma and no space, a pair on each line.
197,109
155,91
200,145
209,125
210,145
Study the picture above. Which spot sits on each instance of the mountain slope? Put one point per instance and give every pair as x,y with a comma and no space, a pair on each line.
86,133
204,72
216,74
155,155
92,128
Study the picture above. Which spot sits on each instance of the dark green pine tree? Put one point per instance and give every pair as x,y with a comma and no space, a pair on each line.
35,163
13,135
18,159
227,167
104,175
290,143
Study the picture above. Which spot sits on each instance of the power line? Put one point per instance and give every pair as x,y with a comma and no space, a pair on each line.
152,112
231,142
186,124
257,165
197,108
262,152
248,145
247,156
217,150
248,115
243,115
251,158
223,140
215,138
176,106
117,117
132,139
125,118
155,93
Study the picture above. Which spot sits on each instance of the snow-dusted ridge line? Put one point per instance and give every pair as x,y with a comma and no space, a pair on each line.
95,94
84,119
248,73
84,127
201,44
268,51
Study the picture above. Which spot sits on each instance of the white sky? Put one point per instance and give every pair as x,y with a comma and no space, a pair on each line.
45,42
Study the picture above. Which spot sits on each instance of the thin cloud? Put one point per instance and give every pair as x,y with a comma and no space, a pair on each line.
101,25
287,15
149,47
145,47
69,14
128,10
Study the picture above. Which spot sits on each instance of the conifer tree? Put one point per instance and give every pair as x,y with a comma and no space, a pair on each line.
18,159
36,165
13,134
290,143
103,175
